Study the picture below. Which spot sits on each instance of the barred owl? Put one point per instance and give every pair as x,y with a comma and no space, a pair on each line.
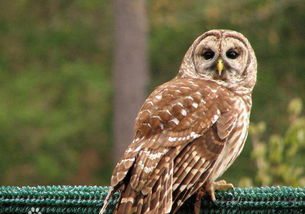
190,129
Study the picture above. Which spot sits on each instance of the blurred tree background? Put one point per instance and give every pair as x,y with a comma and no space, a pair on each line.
56,91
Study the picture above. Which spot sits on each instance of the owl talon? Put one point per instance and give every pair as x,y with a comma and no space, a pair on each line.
197,205
218,185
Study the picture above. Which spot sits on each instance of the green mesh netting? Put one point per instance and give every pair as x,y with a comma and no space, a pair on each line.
89,199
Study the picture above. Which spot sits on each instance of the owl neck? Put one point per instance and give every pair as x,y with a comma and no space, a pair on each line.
243,92
235,88
240,90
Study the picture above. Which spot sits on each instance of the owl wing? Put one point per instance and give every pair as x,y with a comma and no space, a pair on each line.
175,119
195,163
192,164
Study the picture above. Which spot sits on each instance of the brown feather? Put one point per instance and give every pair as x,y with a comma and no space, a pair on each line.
187,133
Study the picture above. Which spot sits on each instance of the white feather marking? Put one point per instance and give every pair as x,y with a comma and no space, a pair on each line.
183,112
141,164
175,120
155,156
216,116
161,126
213,90
194,153
182,188
128,159
137,139
167,111
180,104
181,138
198,93
194,171
194,84
172,139
126,200
157,117
150,102
171,95
189,97
188,169
146,110
146,169
203,101
194,135
138,148
158,97
195,105
175,186
185,87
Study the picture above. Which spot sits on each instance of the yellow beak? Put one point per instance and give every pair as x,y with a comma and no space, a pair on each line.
219,66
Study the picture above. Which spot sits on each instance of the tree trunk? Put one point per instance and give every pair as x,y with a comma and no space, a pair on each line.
130,69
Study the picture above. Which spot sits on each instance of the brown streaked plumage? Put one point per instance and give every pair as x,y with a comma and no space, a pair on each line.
190,129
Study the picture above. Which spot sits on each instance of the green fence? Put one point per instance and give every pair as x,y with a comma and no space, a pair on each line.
89,199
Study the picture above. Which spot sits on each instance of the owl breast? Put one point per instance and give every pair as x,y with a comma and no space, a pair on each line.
236,139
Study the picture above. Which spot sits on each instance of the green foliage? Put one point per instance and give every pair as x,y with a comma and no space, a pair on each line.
278,159
47,118
55,92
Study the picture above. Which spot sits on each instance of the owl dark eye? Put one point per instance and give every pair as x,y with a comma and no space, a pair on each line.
232,54
209,54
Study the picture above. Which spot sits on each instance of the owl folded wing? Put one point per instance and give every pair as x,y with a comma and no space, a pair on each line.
174,115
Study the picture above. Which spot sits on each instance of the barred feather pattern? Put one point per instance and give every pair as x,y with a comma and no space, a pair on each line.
178,143
187,133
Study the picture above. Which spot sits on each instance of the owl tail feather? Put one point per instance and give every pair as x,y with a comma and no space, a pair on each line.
107,199
156,201
126,202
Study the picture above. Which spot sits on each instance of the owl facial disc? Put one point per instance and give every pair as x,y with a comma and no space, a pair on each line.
222,56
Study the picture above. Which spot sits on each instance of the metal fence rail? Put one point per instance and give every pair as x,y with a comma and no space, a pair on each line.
89,199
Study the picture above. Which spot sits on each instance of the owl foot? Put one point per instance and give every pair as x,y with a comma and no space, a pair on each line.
218,185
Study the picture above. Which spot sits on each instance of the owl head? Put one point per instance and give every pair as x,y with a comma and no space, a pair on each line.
222,56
